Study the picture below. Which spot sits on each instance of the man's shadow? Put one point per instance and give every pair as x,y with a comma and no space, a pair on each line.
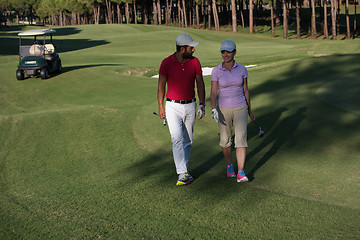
283,131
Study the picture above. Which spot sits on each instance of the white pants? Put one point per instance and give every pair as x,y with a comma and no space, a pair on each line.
181,120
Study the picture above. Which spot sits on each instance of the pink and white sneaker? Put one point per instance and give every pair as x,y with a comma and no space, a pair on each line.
230,171
241,177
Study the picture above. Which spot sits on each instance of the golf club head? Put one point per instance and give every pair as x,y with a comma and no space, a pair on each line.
261,133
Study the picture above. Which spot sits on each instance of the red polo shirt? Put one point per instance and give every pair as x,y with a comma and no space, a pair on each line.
180,77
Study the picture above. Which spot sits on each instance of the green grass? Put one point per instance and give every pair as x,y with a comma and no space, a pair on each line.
83,157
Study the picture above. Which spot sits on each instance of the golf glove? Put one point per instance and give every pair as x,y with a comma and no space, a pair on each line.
215,115
200,113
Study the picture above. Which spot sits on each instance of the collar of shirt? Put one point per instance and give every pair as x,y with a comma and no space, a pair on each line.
224,69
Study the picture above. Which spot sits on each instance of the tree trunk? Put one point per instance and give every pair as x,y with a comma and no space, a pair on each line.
354,34
333,18
285,21
251,16
298,29
66,22
184,13
167,14
180,15
190,14
197,15
135,13
180,18
203,12
170,12
216,16
326,32
108,11
347,19
159,11
209,15
73,19
194,16
61,18
144,14
31,16
127,14
53,20
313,20
233,13
278,12
119,15
338,15
272,19
155,13
242,13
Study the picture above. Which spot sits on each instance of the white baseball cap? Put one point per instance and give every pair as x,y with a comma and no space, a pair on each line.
228,45
186,40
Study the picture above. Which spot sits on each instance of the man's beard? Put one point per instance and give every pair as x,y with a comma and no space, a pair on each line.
187,55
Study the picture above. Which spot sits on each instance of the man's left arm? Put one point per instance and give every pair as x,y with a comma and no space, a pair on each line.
200,85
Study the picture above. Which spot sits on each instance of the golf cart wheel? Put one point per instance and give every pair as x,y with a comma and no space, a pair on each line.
59,66
44,73
19,74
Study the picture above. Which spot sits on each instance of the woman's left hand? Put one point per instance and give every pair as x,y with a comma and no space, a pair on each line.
252,116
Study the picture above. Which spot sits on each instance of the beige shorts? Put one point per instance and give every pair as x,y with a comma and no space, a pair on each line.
229,117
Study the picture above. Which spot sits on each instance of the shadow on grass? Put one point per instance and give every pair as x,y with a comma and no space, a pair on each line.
154,167
10,46
283,131
10,40
5,29
69,69
70,45
66,31
271,119
60,31
72,68
206,165
294,88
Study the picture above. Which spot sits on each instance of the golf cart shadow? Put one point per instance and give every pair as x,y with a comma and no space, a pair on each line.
67,31
72,68
78,67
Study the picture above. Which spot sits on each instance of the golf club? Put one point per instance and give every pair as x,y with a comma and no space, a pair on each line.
158,115
261,132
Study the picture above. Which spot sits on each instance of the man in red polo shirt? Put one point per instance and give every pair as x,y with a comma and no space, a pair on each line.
179,72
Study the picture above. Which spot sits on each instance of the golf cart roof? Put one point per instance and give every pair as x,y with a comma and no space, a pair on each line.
36,32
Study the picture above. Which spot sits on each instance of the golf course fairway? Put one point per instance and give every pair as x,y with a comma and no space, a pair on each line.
83,156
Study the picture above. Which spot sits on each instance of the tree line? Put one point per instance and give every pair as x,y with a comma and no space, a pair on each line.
320,16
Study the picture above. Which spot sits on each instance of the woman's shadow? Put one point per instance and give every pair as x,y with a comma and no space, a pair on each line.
271,119
282,132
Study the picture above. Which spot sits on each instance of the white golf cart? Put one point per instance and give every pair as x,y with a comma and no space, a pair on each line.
39,57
